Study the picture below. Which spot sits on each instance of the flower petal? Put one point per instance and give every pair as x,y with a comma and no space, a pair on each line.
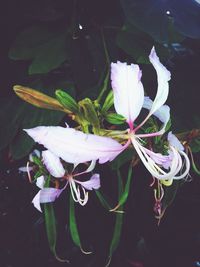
36,201
49,194
173,141
25,169
40,182
163,76
163,113
155,170
46,195
53,164
93,183
74,146
127,89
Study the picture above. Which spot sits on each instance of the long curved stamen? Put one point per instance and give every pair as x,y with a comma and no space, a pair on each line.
152,167
76,193
73,190
187,166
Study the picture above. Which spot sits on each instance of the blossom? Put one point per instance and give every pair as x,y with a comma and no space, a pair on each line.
129,99
56,169
74,146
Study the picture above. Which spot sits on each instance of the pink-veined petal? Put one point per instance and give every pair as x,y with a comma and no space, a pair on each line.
163,77
93,183
53,164
74,146
127,89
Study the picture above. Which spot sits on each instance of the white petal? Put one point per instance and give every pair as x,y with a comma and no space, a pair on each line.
53,164
151,165
40,182
163,114
25,169
173,141
163,77
127,89
49,194
93,183
74,146
36,201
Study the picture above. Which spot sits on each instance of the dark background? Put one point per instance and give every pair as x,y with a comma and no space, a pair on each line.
176,241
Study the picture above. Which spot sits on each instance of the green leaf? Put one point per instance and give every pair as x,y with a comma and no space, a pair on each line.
50,56
135,43
50,223
123,197
46,48
115,118
102,199
124,157
118,223
170,193
73,226
67,101
138,44
108,102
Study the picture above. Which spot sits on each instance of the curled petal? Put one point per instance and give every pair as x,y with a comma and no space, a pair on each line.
74,146
128,90
36,201
163,114
151,165
40,182
158,158
53,164
89,169
163,77
187,167
93,183
173,141
46,195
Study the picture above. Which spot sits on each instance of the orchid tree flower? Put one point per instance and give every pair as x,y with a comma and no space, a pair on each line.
129,99
74,146
56,169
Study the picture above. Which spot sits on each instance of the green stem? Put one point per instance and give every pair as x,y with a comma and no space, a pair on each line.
105,83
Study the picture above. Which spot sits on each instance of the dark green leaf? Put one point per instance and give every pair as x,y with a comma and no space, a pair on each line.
170,193
102,199
123,197
72,224
124,157
118,222
50,223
